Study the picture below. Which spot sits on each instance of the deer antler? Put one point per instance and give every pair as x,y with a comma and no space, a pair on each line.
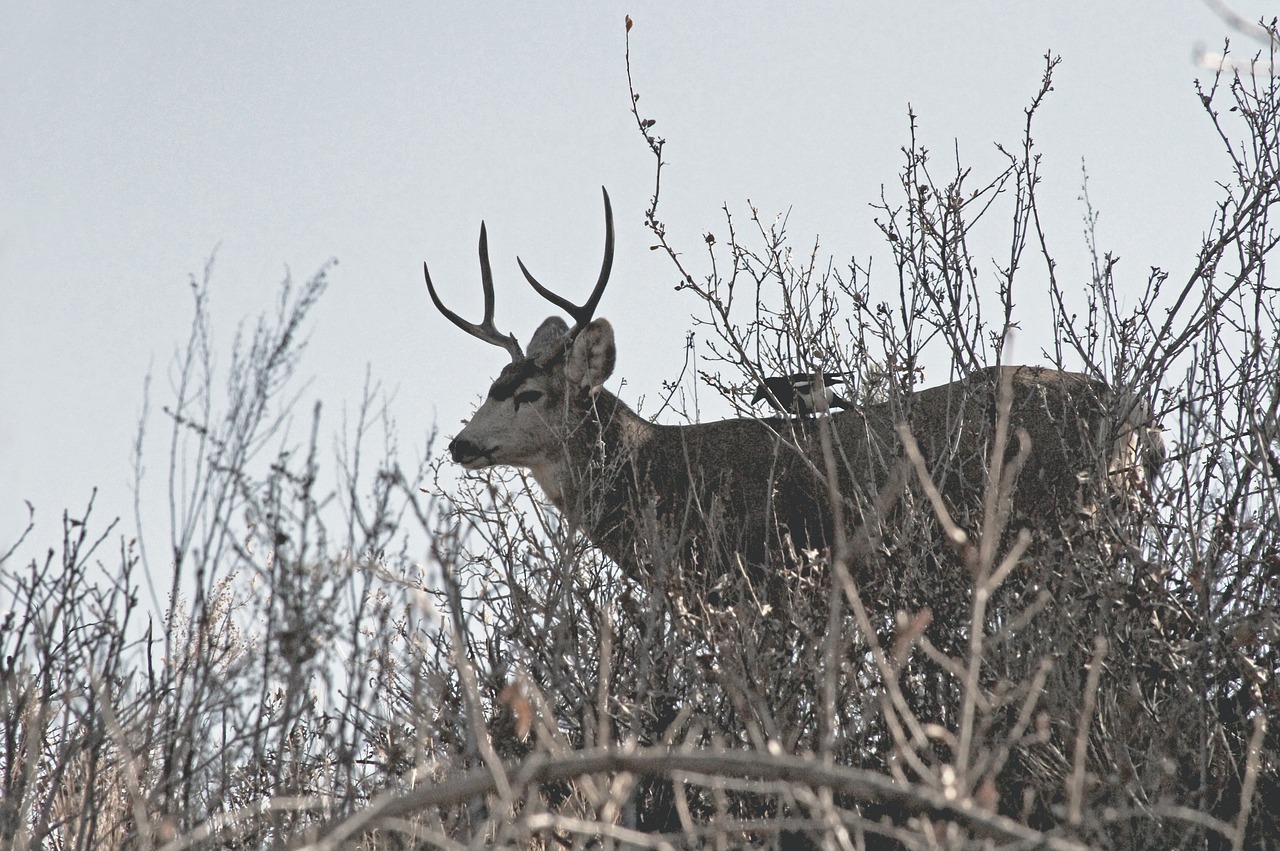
485,330
582,313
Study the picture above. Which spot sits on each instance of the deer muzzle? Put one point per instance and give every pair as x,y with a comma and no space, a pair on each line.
467,453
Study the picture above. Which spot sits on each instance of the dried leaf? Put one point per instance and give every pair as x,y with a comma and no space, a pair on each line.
987,797
520,707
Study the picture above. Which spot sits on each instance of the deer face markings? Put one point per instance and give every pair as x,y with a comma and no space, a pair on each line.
536,402
516,422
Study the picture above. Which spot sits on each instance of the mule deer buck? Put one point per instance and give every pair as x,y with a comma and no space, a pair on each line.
744,486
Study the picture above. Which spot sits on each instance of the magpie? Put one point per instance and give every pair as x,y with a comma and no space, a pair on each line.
794,394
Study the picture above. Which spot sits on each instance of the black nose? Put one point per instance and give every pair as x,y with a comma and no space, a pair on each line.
463,451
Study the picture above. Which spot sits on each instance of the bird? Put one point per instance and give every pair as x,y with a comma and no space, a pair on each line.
794,394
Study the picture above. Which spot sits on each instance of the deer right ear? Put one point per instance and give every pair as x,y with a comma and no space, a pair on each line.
591,359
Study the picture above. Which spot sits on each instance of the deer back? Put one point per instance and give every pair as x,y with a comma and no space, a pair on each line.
751,486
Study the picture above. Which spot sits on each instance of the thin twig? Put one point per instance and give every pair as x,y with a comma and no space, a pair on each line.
1075,785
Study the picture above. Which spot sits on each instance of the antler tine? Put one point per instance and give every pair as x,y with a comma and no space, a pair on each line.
485,330
582,313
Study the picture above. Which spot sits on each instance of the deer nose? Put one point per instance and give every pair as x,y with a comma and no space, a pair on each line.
464,450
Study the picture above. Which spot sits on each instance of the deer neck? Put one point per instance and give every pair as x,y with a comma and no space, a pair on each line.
591,477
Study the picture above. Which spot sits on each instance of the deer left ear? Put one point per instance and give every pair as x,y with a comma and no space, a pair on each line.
549,333
591,359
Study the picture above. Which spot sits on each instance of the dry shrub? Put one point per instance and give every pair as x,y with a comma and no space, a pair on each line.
342,661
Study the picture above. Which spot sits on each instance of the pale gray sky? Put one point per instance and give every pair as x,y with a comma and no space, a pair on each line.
137,136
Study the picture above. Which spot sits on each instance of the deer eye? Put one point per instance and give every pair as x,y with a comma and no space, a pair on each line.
525,396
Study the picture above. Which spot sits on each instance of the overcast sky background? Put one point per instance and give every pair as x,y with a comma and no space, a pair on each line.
137,137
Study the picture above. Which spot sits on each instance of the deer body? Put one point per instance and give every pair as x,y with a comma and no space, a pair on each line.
638,488
749,487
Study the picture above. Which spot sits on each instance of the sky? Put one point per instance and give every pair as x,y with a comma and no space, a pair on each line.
138,139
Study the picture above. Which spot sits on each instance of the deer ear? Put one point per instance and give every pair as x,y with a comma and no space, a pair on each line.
591,359
549,332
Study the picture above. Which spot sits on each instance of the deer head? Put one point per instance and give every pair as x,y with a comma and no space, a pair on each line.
539,398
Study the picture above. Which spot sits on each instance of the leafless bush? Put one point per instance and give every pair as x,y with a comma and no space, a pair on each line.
267,689
1080,684
342,661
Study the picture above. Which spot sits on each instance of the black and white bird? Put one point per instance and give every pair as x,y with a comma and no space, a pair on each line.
796,394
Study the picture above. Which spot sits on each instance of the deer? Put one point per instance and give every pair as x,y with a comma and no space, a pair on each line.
749,488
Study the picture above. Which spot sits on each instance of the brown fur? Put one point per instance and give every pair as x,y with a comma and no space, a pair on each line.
742,487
